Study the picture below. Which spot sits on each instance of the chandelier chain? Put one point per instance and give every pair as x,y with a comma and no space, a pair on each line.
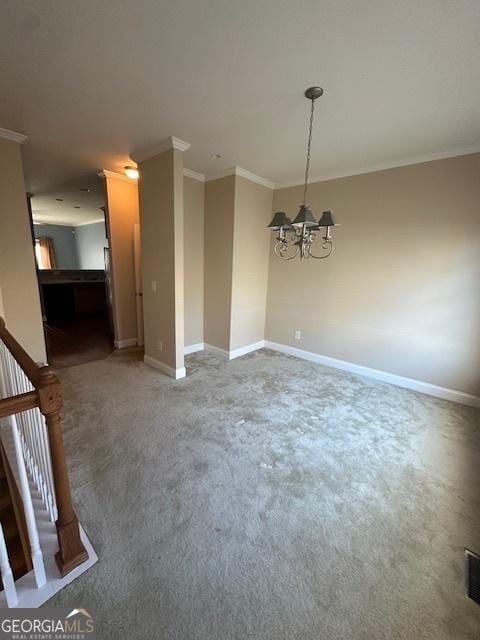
309,145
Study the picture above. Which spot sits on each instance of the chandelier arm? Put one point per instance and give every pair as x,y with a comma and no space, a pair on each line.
279,254
328,246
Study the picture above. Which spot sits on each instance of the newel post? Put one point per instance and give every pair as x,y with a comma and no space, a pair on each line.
71,550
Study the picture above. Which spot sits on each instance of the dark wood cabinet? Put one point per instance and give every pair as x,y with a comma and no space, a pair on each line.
69,295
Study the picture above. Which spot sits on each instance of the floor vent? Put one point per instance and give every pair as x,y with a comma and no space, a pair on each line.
472,565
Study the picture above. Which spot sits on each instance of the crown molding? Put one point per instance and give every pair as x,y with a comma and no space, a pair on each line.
6,134
383,167
243,173
230,171
112,175
169,143
85,224
248,175
188,173
70,224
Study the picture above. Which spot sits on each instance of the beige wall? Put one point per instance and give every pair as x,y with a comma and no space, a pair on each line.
161,225
401,292
193,210
253,211
219,216
122,214
18,281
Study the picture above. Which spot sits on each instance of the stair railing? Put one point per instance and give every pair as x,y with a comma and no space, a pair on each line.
32,400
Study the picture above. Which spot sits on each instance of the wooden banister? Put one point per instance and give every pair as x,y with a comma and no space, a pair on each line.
17,404
48,397
28,365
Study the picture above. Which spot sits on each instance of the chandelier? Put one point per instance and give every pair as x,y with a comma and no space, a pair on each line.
296,238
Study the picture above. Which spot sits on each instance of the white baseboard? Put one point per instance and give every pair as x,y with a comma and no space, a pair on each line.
400,381
219,352
164,368
383,376
127,342
193,348
236,353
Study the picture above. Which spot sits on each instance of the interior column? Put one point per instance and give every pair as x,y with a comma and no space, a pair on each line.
237,212
18,279
161,225
121,200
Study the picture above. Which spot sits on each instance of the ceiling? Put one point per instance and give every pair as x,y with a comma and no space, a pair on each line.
92,82
74,204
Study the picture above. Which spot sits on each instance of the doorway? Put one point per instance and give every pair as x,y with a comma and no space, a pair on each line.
71,247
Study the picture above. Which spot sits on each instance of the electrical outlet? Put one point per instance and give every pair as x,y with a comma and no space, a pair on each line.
159,345
154,286
298,335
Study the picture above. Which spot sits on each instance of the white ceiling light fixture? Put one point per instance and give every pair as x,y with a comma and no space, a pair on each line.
132,172
301,233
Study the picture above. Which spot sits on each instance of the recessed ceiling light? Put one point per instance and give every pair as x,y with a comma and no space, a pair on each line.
131,172
59,199
215,156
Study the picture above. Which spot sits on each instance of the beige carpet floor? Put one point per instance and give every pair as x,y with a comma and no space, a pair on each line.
269,498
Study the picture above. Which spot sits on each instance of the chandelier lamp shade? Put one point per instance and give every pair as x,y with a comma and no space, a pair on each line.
298,237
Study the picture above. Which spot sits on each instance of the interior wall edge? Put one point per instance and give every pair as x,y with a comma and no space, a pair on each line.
193,348
178,373
217,350
249,348
126,342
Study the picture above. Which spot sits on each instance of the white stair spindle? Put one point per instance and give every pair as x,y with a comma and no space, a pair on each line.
8,372
38,445
37,556
51,491
6,571
40,434
3,367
